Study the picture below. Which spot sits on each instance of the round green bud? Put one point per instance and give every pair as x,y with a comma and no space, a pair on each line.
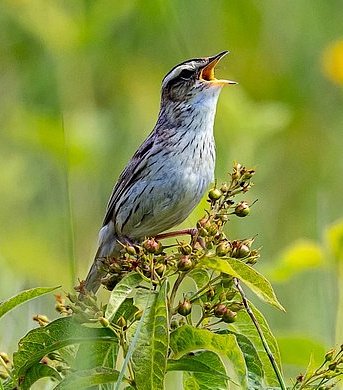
229,317
220,310
121,322
184,308
130,250
223,248
242,209
184,264
104,322
160,269
214,194
242,251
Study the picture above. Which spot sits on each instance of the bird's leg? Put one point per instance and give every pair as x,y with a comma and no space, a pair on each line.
192,232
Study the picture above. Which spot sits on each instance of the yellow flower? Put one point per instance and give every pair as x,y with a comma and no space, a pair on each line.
333,62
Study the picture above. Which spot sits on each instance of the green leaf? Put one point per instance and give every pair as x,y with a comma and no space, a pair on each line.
58,334
38,371
95,354
248,275
121,292
22,297
87,378
204,361
200,277
187,339
205,369
149,358
245,326
127,310
252,360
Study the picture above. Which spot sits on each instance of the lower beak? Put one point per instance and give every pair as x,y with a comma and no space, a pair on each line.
207,73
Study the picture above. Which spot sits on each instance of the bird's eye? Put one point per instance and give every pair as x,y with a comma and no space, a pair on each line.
186,74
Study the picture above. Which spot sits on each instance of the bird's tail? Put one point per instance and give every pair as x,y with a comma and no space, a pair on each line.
96,273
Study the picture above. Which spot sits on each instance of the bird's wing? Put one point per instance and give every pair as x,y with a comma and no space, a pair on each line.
132,172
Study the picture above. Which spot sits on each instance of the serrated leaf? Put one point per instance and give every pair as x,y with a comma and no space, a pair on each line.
245,326
252,360
121,292
38,371
87,378
205,370
248,275
149,358
187,339
22,297
58,334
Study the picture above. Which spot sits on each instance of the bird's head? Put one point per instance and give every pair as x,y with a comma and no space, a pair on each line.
188,80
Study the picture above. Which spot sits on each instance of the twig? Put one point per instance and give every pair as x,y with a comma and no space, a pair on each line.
3,363
174,290
259,331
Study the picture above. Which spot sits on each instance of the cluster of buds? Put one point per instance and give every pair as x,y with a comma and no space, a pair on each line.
326,376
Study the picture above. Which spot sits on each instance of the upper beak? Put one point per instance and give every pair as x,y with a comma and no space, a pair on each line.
207,73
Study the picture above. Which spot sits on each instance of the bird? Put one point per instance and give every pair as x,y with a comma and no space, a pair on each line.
171,170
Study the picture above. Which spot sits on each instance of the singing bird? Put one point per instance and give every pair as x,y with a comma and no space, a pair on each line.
172,169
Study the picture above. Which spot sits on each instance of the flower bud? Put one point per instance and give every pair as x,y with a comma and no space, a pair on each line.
152,246
214,194
223,248
242,209
138,315
184,264
104,322
130,250
212,229
160,269
230,294
220,310
184,308
247,174
121,322
242,251
229,316
185,249
236,306
329,355
224,188
210,293
332,366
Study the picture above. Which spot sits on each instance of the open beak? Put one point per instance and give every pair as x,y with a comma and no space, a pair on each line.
207,73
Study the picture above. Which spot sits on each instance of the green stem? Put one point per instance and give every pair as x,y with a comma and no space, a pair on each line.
263,339
177,283
3,363
207,285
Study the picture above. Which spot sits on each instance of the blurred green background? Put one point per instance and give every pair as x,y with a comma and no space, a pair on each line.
80,85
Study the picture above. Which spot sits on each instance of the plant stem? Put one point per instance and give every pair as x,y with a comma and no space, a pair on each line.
259,331
174,291
2,362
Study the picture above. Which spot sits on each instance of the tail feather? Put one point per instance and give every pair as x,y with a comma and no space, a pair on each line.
95,274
